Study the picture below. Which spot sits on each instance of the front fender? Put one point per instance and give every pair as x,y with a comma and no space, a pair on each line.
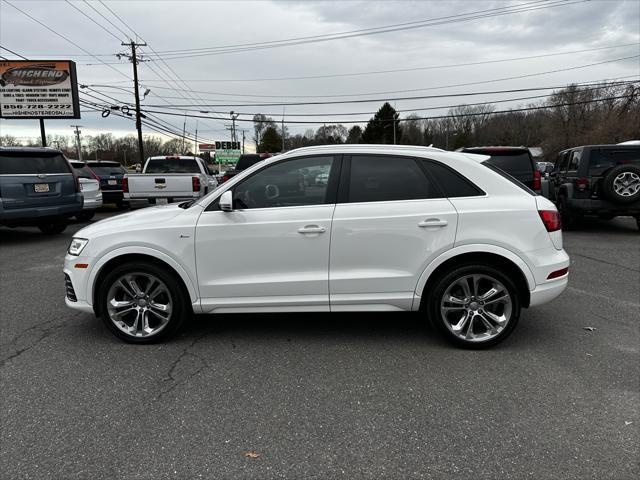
137,250
475,248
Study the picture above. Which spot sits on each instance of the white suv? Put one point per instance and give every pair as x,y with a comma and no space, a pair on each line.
393,228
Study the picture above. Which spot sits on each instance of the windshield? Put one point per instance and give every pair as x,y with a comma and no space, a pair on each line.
17,163
167,165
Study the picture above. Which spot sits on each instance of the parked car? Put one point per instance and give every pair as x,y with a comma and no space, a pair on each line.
110,174
395,228
37,188
516,161
168,179
599,180
90,189
245,161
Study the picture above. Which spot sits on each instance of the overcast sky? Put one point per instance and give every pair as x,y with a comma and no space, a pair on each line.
180,25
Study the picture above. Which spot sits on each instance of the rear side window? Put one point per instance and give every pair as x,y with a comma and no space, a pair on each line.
575,160
451,182
513,180
603,159
385,178
17,163
172,166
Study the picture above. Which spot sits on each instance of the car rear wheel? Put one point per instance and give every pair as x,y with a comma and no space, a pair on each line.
142,303
474,306
52,228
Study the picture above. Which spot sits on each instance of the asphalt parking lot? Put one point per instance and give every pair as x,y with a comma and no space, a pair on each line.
323,396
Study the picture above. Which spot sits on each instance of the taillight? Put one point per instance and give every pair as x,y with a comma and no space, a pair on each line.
551,220
537,180
125,185
558,273
225,178
195,184
582,183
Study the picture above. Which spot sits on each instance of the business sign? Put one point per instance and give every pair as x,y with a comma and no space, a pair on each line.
226,152
38,89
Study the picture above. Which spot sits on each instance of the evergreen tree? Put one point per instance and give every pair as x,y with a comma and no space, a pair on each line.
380,128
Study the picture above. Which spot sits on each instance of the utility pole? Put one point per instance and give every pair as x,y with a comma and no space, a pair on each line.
78,146
134,61
233,115
184,132
195,143
243,141
283,129
43,135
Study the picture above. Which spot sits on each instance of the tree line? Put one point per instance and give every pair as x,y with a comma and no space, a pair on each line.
569,117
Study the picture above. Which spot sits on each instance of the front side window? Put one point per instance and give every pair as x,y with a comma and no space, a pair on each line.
386,178
286,184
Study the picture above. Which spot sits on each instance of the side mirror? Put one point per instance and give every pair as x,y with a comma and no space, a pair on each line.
226,201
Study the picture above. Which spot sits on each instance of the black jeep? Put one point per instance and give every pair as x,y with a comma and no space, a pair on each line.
598,180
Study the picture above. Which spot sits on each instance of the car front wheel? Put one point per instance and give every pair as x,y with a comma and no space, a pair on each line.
474,306
142,303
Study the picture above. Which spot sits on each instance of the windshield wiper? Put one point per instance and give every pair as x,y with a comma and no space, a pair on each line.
186,204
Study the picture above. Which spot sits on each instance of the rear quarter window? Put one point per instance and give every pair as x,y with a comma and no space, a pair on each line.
31,164
512,179
451,182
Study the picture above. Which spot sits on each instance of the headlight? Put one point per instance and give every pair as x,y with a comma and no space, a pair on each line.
77,245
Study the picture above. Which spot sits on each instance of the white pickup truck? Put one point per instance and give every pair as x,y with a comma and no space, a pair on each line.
169,179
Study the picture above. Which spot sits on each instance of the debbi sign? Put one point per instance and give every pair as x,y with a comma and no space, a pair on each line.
38,89
226,152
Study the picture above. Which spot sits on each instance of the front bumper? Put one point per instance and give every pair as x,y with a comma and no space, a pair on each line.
77,279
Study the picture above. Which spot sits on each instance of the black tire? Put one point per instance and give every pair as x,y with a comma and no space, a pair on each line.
638,222
179,299
53,228
434,298
613,186
122,205
86,215
568,218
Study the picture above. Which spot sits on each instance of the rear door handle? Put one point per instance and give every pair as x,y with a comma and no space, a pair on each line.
311,229
433,222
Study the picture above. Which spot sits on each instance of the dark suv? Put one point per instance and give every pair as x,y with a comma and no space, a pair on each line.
38,188
110,175
600,180
516,161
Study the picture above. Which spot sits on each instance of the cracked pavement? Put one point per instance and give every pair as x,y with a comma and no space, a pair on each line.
323,396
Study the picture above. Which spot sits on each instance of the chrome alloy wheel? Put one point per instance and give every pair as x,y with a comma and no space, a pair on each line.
476,308
627,184
139,304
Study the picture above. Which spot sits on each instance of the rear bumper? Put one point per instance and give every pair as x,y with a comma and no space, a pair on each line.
92,203
548,291
589,206
110,196
33,216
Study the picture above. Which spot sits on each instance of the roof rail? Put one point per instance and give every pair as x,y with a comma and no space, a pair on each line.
354,146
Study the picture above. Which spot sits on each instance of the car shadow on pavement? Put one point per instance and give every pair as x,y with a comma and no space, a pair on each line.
619,225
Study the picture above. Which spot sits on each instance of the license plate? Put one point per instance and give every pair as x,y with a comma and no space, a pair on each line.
112,182
41,187
162,201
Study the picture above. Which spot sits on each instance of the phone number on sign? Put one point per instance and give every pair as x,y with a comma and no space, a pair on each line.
36,107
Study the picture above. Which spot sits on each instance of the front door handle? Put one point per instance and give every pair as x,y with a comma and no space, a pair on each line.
311,229
433,222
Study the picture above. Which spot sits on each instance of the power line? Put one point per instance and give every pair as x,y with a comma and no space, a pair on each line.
515,77
403,70
97,23
305,122
14,53
64,38
526,7
126,35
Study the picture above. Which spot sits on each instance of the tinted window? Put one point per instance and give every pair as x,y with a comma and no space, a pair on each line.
29,163
512,162
102,168
384,178
603,159
247,161
575,160
81,170
513,180
284,185
451,182
173,166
